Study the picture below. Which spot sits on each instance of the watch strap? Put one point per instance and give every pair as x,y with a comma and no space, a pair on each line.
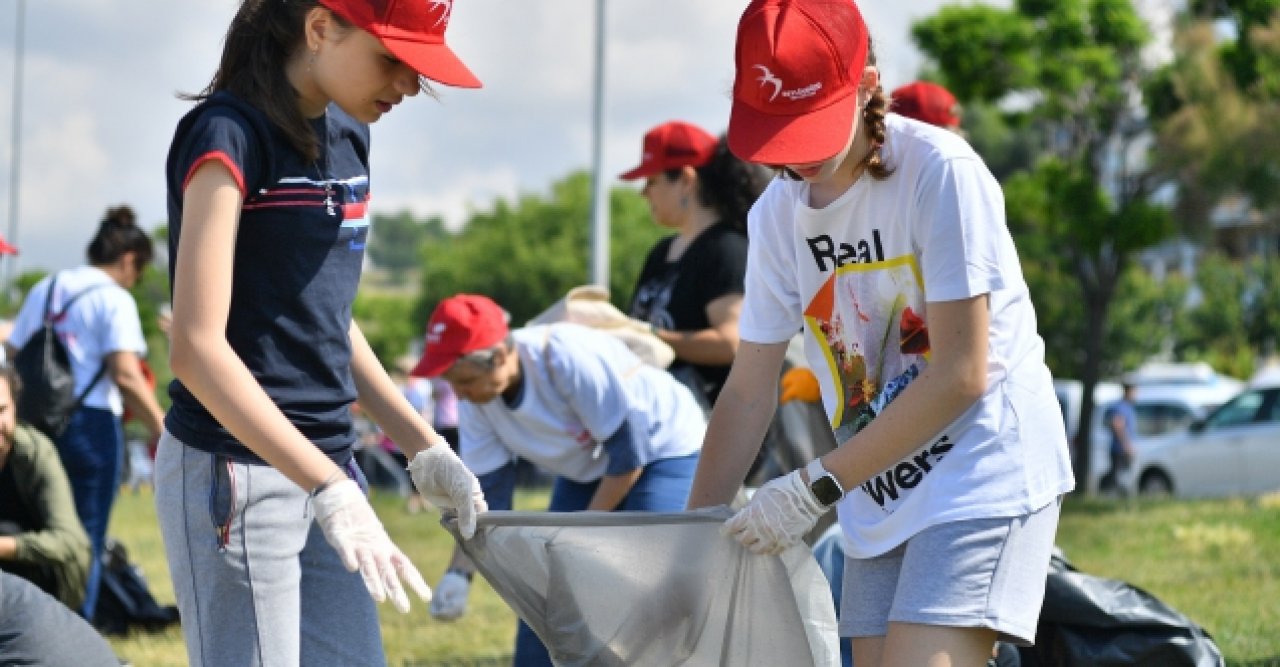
815,471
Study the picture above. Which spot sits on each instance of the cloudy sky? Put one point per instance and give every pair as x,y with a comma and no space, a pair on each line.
99,106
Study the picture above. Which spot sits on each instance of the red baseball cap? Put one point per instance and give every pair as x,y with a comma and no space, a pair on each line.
413,31
926,102
7,248
673,145
460,325
799,64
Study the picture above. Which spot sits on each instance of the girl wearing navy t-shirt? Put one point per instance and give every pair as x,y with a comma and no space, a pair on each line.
262,509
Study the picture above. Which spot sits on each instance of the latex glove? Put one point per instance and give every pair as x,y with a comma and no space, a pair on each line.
800,384
443,479
352,528
450,601
777,517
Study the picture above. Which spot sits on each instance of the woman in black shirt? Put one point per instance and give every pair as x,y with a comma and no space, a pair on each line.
690,289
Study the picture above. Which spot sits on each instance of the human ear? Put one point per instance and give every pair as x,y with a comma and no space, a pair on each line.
317,26
870,81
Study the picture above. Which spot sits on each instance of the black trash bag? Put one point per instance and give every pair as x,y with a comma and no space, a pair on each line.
124,600
1098,622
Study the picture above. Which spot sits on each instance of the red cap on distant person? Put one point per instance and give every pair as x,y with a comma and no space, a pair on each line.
926,102
7,248
460,325
673,145
413,31
799,64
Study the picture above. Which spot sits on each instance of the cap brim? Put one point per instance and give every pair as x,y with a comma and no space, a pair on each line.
782,140
429,366
643,171
434,61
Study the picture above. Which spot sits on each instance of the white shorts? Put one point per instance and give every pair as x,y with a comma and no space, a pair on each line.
983,573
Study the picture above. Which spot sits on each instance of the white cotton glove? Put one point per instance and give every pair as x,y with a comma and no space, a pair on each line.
450,601
352,528
778,516
445,482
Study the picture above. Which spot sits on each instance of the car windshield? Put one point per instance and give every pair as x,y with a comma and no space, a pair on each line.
1244,409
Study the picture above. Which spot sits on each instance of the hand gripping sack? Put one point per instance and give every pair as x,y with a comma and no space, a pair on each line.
48,397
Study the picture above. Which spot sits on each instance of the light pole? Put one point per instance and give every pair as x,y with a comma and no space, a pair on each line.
599,185
15,157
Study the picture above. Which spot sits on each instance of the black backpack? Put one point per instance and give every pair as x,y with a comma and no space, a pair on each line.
48,398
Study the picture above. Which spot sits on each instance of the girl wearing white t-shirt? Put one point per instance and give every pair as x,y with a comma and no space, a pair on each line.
885,240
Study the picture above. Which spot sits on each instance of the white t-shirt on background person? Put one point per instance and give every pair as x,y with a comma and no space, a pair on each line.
858,275
103,321
579,385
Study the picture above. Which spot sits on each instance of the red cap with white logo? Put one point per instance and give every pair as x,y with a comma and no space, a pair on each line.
673,145
413,31
460,325
799,64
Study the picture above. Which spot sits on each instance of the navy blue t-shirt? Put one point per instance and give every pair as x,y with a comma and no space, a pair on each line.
298,255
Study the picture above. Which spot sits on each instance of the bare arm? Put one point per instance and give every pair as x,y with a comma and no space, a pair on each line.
126,372
738,422
612,489
385,403
200,355
954,380
713,346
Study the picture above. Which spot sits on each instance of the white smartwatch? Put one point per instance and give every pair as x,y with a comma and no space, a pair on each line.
825,487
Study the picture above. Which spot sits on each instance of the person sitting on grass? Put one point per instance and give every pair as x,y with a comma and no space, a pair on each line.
41,539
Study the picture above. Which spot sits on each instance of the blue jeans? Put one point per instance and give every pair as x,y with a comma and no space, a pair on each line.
92,452
663,487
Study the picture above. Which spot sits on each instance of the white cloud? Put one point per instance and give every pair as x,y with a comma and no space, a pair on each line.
99,106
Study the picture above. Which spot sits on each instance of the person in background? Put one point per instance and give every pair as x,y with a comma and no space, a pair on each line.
106,346
690,289
926,102
620,434
1122,425
41,539
885,239
446,410
264,515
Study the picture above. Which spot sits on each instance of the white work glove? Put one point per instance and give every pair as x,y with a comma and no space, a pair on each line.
450,601
777,517
352,528
445,482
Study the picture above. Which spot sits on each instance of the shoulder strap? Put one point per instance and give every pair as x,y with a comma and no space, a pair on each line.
48,297
102,370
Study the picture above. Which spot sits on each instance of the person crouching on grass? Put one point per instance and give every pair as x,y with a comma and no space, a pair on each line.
617,433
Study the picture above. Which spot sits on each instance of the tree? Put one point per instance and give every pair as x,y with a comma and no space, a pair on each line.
1219,135
525,254
1073,68
396,241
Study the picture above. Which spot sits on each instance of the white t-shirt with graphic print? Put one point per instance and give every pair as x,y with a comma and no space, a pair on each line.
579,385
858,275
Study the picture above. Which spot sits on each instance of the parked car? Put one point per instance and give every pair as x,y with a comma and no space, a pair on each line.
1234,451
1169,398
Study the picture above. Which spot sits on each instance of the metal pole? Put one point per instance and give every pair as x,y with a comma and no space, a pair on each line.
15,158
599,184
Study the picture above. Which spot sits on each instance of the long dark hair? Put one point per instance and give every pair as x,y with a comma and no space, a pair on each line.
262,37
117,234
728,185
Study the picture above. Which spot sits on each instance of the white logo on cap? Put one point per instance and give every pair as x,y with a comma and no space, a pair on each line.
433,336
448,9
767,77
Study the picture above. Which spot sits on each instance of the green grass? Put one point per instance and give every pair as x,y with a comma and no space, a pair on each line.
1214,561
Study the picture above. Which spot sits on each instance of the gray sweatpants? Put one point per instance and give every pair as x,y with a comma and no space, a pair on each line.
256,582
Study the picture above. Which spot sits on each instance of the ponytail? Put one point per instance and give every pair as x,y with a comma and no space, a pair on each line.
117,234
